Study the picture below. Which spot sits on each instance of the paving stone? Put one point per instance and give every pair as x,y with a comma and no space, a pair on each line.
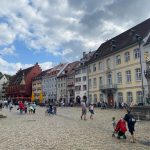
66,131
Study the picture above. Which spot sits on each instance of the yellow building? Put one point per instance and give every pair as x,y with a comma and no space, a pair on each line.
114,72
37,85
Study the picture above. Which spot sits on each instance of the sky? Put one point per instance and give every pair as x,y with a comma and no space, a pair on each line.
53,31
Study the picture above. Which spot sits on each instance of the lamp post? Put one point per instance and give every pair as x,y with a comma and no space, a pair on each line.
139,40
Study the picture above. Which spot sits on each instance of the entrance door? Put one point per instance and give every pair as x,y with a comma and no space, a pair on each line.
110,98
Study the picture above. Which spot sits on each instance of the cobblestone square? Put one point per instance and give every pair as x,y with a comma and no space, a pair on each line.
66,131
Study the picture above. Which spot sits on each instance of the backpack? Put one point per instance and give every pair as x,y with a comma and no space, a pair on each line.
132,120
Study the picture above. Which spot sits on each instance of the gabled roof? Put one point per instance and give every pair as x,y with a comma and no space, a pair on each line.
69,69
16,79
122,40
55,70
43,73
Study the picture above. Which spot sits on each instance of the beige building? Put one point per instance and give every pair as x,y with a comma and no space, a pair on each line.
65,83
114,72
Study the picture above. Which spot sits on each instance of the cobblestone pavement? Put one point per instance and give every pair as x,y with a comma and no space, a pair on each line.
67,132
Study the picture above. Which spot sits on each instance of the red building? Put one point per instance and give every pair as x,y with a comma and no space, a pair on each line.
20,85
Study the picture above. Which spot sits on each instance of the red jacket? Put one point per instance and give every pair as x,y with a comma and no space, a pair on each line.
21,105
121,126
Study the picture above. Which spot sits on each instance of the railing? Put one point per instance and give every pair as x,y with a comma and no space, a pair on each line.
108,86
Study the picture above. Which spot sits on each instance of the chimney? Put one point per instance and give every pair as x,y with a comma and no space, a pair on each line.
84,54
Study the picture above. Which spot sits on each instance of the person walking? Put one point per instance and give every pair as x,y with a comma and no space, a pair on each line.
129,118
10,106
34,107
83,105
91,109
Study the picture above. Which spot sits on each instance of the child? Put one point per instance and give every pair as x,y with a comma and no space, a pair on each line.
91,109
121,128
114,125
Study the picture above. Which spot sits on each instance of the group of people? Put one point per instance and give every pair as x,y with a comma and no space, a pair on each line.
24,107
120,128
84,110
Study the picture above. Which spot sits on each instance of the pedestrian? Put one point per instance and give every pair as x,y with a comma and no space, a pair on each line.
10,106
1,105
129,118
34,107
121,128
114,126
83,105
21,107
91,109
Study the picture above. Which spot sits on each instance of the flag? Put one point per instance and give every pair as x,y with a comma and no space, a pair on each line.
41,97
32,97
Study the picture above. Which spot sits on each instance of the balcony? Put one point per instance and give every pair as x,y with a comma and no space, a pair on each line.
108,88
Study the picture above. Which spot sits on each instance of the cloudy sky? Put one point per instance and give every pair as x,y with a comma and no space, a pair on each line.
54,31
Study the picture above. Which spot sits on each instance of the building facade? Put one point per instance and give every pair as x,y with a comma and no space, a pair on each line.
65,81
49,83
71,82
20,85
3,82
116,70
37,85
81,78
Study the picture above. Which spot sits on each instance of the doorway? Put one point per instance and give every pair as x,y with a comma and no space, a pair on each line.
110,99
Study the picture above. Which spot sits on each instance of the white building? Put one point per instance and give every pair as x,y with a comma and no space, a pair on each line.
49,83
3,80
81,78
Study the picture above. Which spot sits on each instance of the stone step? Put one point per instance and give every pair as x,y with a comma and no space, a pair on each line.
2,116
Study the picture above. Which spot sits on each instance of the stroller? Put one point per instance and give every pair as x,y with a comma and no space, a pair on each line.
120,129
51,110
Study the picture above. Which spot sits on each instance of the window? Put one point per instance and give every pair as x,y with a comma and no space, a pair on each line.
84,87
84,78
94,67
83,70
101,97
129,98
90,83
78,79
94,82
89,69
109,79
100,81
90,98
119,77
118,59
100,66
127,56
78,88
120,97
128,76
136,53
95,98
108,63
138,75
139,96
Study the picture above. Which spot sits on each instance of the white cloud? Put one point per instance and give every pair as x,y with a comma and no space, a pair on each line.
12,68
8,51
66,28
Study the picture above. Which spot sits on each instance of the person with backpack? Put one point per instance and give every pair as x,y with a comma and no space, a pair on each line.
129,118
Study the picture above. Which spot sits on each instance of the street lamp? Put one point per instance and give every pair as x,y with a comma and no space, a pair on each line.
139,40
